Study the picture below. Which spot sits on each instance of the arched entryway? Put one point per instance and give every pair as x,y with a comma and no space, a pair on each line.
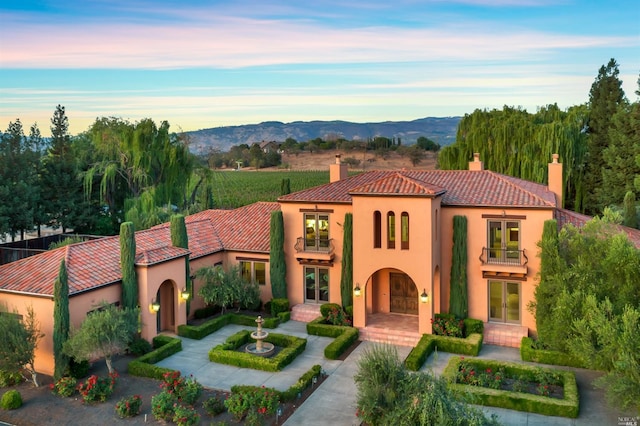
166,317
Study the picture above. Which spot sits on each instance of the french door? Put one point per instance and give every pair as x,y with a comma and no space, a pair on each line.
316,284
504,302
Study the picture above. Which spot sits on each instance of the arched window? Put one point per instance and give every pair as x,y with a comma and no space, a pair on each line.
404,231
391,230
377,229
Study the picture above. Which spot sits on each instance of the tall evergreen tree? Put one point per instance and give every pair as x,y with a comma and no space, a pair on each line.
630,213
60,321
605,97
127,264
277,265
180,238
346,277
285,186
459,297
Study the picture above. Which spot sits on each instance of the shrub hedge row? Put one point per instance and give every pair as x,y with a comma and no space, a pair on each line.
290,394
344,336
199,332
470,345
226,353
567,407
543,356
164,346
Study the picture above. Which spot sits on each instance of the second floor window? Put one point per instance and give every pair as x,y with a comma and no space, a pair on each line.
404,231
391,230
504,240
316,227
377,229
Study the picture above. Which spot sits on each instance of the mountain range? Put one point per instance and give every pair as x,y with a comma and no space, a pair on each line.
439,129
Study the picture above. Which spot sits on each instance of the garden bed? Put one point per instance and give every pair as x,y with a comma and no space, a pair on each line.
546,391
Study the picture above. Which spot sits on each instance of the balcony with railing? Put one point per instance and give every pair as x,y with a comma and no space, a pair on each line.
315,251
503,262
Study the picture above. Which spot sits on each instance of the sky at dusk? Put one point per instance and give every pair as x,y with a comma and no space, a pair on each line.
200,64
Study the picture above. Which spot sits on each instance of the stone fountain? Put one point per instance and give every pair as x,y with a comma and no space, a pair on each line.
260,347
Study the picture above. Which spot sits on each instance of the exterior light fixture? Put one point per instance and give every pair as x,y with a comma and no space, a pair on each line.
424,297
357,290
154,307
185,294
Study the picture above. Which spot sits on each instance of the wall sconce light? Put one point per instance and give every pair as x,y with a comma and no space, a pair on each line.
184,294
154,307
424,297
357,290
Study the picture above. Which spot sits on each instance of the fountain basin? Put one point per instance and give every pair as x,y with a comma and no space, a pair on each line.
266,350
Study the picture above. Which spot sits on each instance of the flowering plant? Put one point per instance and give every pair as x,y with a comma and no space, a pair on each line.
129,406
162,406
98,388
65,386
447,325
185,416
337,317
185,390
263,400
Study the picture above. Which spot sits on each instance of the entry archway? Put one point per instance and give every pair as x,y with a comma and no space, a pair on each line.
166,317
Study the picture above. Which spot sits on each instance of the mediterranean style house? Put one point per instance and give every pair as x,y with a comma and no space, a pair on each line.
402,250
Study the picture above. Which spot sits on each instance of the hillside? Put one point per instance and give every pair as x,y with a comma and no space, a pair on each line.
439,129
321,160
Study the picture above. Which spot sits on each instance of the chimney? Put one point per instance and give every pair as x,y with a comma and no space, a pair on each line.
476,164
555,179
338,171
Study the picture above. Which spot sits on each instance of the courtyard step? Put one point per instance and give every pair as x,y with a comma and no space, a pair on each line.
305,313
389,336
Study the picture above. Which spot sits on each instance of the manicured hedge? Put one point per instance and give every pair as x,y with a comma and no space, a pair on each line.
470,345
198,332
165,346
326,308
472,325
226,353
567,407
344,336
290,394
543,356
279,305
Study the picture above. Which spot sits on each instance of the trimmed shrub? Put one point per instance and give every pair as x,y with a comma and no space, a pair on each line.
226,353
139,346
303,382
165,346
206,312
429,342
349,311
326,308
544,356
11,400
78,369
199,332
567,407
473,326
279,305
284,317
344,336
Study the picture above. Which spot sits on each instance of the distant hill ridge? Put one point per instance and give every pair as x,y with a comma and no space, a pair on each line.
439,129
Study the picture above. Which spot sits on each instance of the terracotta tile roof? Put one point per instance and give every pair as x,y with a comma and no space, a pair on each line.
565,217
462,188
397,184
96,263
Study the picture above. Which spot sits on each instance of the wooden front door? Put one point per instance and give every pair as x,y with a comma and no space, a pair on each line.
404,294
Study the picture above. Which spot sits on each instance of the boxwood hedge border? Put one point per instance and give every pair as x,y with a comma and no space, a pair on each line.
344,336
469,345
198,332
164,347
543,356
567,407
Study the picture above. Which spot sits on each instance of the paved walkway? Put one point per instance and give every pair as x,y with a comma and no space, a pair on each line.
334,402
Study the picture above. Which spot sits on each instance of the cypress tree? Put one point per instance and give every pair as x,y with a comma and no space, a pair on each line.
60,321
285,186
346,277
127,264
179,238
277,265
459,298
630,216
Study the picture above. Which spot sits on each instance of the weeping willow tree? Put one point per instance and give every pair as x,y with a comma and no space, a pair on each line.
517,143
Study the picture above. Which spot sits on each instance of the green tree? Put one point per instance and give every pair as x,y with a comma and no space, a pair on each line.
285,186
127,266
19,190
225,289
104,333
427,144
630,211
346,276
277,263
179,238
20,341
605,97
60,321
459,297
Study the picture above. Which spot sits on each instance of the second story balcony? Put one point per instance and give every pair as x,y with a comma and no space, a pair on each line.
505,260
318,251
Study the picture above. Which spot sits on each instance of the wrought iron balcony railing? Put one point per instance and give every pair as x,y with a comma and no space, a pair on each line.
503,256
314,245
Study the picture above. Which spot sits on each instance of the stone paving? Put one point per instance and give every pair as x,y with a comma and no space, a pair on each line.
334,402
